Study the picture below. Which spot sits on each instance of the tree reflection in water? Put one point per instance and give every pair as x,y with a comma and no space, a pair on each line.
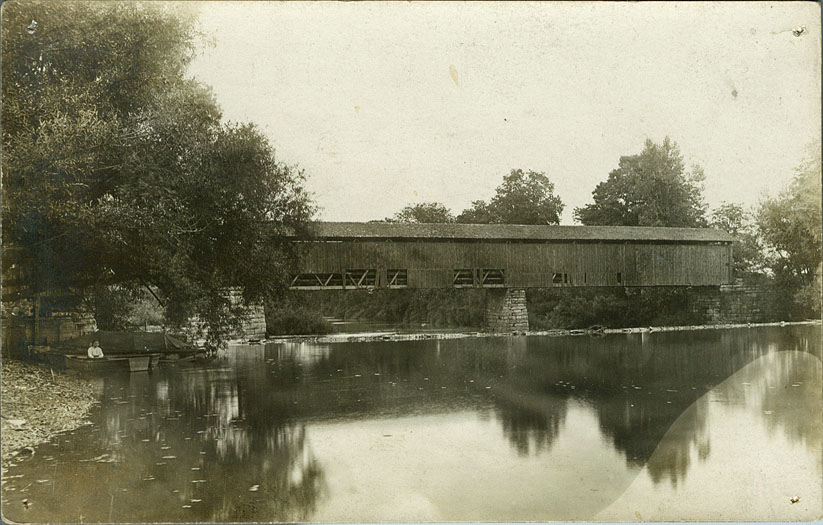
232,441
206,437
638,393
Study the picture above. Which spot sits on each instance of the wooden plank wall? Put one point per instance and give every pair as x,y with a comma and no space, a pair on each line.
431,264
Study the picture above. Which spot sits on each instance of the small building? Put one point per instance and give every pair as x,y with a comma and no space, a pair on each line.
352,255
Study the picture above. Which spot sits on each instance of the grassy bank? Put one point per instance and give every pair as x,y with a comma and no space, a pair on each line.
299,313
610,307
37,404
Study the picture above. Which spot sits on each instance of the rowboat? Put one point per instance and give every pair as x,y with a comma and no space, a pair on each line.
120,363
131,344
123,351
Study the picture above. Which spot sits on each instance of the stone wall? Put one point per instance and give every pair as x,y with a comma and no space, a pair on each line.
506,310
705,303
18,330
253,324
739,302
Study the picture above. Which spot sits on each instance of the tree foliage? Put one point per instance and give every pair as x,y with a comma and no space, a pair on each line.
477,213
791,221
117,170
423,212
651,188
747,248
790,224
522,198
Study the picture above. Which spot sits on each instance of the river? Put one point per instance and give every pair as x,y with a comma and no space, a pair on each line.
704,425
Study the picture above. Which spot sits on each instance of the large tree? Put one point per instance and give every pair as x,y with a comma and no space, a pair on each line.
423,212
652,188
791,227
522,198
117,170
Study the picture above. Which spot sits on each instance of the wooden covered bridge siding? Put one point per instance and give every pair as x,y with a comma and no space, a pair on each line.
506,259
388,255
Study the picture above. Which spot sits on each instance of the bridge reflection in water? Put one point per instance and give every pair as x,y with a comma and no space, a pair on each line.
496,429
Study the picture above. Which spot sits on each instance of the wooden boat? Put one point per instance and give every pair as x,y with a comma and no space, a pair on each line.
123,351
120,363
127,344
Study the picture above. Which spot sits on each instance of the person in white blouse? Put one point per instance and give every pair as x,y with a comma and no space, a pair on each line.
95,352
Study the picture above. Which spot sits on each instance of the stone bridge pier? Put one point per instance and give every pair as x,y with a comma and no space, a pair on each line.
252,325
506,310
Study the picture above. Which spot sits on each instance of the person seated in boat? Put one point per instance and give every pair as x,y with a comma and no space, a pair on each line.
95,352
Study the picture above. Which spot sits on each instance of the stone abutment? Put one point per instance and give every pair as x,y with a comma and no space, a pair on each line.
506,310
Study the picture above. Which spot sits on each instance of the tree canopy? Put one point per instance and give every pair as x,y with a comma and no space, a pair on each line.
791,222
652,188
522,198
117,169
423,212
747,248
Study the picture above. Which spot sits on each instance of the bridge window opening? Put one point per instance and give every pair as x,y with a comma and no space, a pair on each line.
557,278
361,278
397,278
584,278
491,277
463,278
566,278
317,281
619,277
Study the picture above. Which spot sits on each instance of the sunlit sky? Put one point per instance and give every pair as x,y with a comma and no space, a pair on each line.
387,104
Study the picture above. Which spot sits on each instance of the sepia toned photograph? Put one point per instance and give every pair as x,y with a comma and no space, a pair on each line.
381,262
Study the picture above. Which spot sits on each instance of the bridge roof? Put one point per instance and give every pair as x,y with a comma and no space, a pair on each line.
513,232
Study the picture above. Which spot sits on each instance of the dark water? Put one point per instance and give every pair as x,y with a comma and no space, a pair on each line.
717,425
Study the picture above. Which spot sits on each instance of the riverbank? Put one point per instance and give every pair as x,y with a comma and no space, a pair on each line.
394,336
37,404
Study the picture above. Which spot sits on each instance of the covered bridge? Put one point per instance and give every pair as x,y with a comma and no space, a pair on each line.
352,255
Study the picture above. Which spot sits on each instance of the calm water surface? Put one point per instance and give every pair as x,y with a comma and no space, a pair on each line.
717,425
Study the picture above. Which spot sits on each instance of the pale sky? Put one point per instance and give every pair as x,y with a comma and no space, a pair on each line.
387,104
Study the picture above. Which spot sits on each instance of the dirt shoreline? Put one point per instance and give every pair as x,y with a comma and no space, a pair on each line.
37,404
